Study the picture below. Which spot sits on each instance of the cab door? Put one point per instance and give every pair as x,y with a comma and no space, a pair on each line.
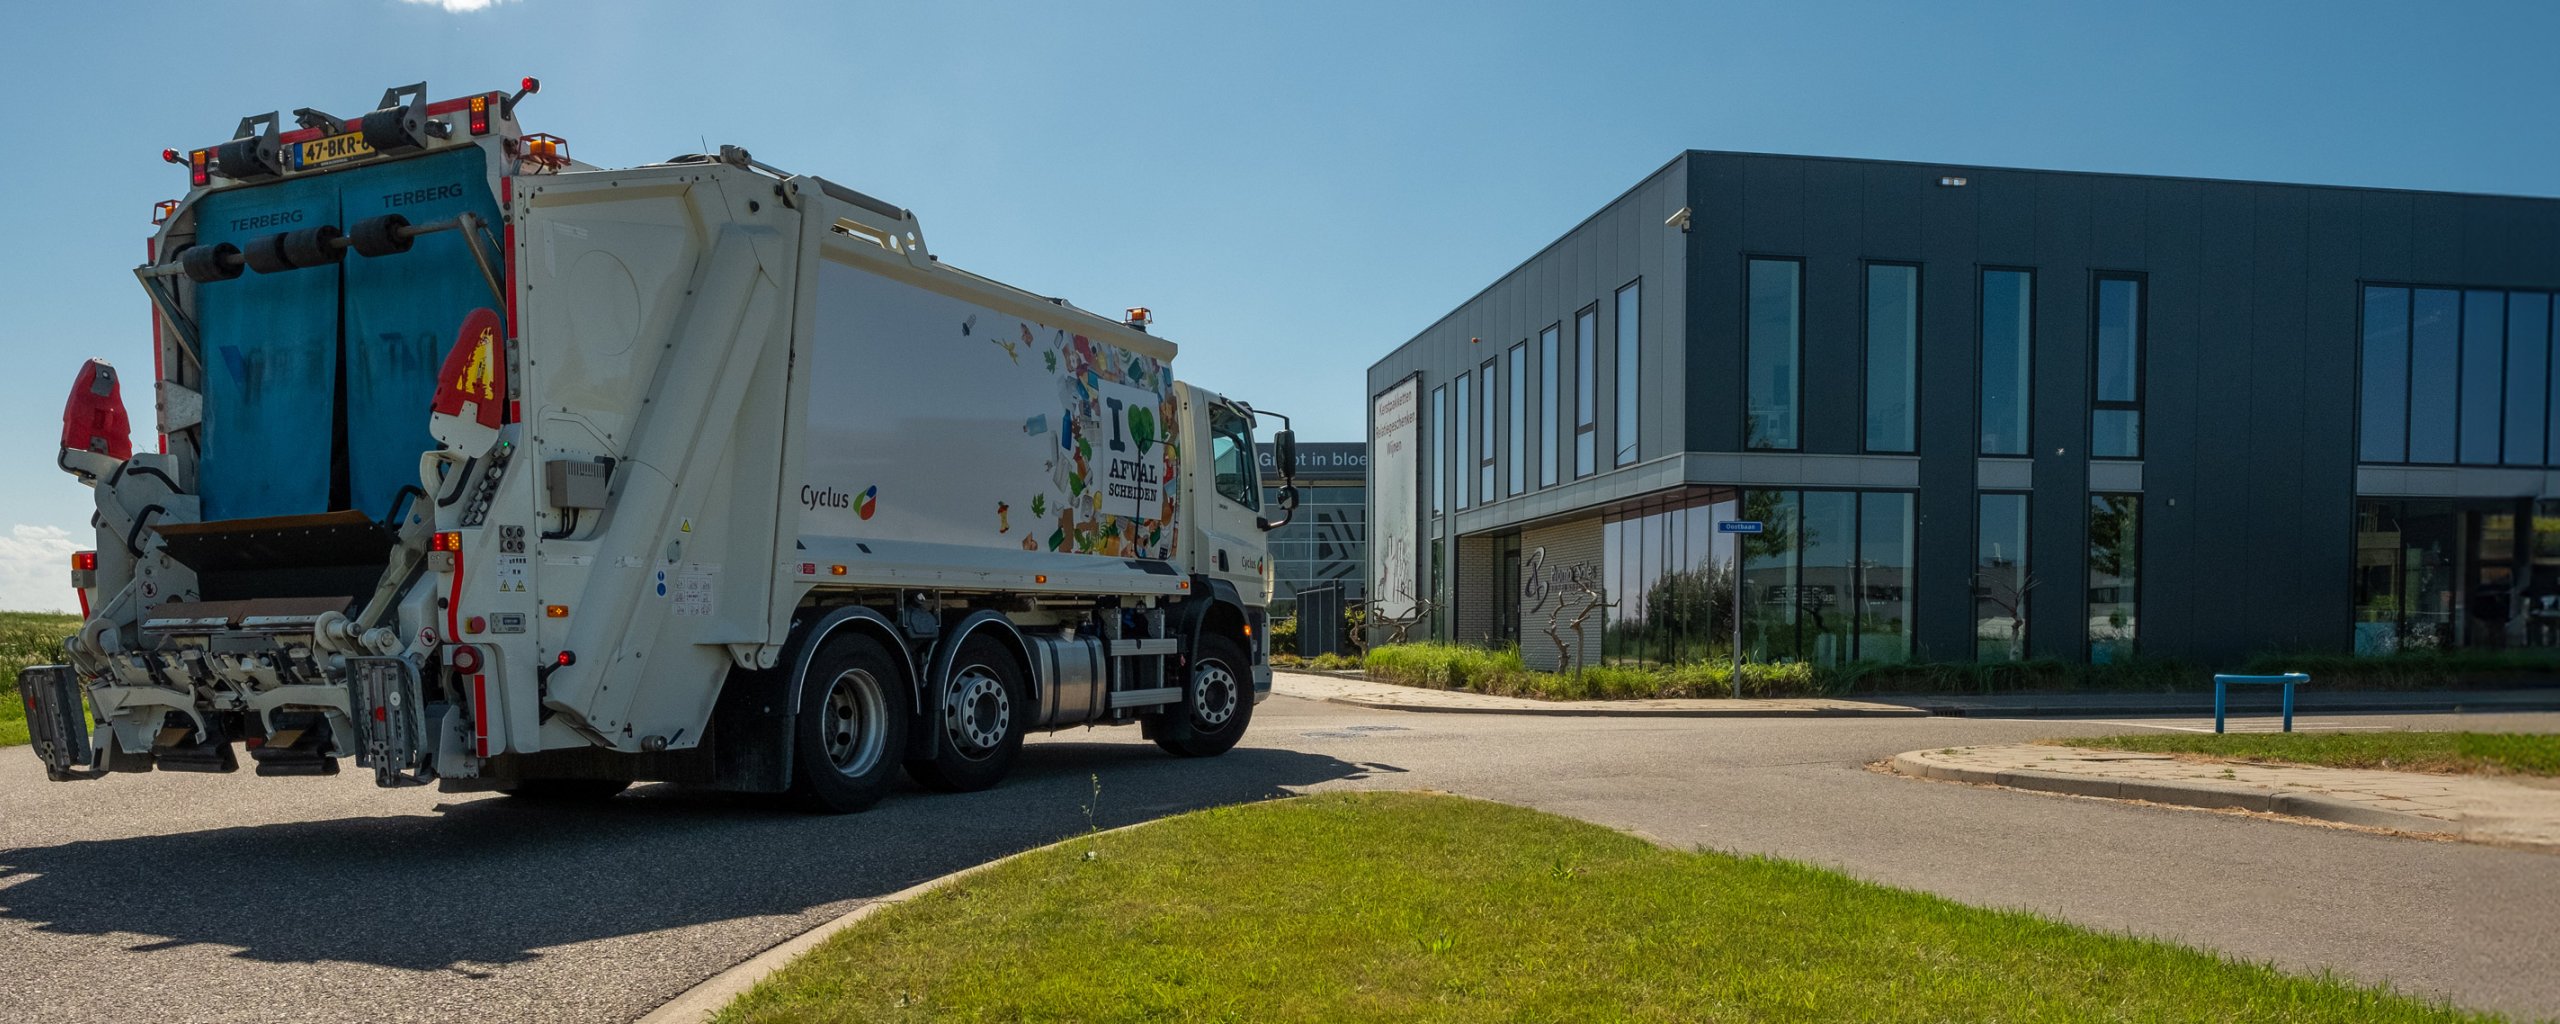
1231,540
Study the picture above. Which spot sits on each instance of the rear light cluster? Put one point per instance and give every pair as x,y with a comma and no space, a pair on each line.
200,167
84,561
446,541
480,115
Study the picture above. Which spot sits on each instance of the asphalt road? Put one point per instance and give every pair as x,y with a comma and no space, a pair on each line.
232,898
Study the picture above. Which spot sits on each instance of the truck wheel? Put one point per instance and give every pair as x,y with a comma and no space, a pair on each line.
852,727
564,791
983,710
1215,708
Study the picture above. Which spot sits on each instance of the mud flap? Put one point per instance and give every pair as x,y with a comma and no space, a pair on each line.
391,720
57,720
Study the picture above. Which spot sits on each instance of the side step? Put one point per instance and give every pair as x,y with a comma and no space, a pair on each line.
57,719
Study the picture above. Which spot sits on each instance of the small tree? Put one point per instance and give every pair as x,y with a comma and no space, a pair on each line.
1399,626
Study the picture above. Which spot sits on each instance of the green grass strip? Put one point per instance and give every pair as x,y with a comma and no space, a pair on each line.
2471,753
1398,907
26,638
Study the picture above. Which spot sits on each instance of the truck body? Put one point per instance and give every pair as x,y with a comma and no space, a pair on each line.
485,467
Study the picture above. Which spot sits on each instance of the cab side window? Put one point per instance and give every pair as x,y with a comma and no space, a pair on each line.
1231,454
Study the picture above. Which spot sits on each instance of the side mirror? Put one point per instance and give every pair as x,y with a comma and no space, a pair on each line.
1284,449
1288,508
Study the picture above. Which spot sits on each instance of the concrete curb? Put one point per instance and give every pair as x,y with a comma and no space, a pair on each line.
1957,708
1875,711
2202,794
705,1001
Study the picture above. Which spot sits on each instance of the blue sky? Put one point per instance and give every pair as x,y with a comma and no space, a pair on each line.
1294,188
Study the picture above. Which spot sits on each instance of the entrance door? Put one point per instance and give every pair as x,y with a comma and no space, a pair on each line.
1506,590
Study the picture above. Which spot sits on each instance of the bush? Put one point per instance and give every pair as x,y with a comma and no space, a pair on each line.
1284,638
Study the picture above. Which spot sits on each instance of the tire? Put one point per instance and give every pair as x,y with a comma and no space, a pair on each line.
982,710
1217,705
851,731
565,791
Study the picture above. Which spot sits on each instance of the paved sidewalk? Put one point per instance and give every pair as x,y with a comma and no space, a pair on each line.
2246,702
2505,811
1390,697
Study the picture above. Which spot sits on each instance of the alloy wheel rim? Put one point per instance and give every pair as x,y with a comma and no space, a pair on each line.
976,711
856,727
1213,694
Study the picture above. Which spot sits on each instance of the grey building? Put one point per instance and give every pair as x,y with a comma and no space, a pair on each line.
1989,413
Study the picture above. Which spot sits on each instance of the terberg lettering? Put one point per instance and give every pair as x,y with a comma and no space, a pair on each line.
412,197
266,220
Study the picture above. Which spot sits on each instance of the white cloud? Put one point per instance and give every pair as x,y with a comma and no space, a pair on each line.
35,569
460,6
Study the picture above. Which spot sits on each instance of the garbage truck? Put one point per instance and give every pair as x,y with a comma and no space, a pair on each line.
488,468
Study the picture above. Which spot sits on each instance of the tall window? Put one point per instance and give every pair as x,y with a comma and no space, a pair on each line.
1827,581
1586,392
1630,323
1439,449
2115,410
2528,350
1774,310
1550,428
2000,579
2457,376
1515,465
2484,358
2115,563
2385,385
1893,356
1486,437
2008,339
2435,319
1466,427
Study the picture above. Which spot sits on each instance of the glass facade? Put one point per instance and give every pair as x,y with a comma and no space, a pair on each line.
1586,392
1326,542
1828,581
1515,463
1630,328
2000,578
1774,310
2008,341
2115,565
2457,377
1551,428
1893,357
2115,410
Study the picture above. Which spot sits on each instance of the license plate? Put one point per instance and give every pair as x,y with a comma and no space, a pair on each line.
330,150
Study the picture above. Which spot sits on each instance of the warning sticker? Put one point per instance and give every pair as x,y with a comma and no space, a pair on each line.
515,574
694,588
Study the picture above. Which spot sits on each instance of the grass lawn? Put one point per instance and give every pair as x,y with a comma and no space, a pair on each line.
1393,907
2479,753
26,638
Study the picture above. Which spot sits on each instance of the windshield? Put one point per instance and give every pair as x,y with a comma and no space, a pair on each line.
316,381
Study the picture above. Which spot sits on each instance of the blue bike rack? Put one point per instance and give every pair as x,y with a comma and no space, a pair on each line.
2223,683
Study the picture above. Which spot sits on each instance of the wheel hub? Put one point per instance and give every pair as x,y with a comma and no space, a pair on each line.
976,711
1213,694
855,727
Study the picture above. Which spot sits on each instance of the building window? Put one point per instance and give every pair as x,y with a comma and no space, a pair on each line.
2385,384
1630,323
2484,360
1550,428
2115,529
1439,449
2000,578
2435,317
1774,311
2115,410
1893,356
1586,392
1488,423
2528,356
1515,465
2008,343
2457,376
1466,427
